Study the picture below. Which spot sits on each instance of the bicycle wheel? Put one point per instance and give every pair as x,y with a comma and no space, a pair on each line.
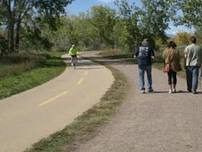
74,62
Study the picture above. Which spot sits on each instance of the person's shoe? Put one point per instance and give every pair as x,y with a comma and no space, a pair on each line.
194,92
142,91
188,90
170,91
150,90
174,91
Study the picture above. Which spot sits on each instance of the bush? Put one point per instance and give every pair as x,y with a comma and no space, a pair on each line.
3,45
18,63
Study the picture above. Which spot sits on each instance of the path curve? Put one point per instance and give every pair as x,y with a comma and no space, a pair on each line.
27,117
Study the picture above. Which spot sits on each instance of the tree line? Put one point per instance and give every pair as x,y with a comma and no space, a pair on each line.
26,18
43,24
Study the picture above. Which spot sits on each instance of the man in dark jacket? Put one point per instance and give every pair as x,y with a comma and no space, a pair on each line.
144,55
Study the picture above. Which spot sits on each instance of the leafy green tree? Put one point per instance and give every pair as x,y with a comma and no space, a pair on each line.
87,35
182,38
155,18
103,20
190,12
129,36
27,13
3,43
151,20
198,34
74,29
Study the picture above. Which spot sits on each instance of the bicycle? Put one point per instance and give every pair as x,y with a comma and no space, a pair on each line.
74,61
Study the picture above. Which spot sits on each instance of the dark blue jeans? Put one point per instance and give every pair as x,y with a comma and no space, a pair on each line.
192,73
142,70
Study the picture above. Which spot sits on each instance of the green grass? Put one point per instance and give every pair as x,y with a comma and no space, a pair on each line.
18,63
88,123
115,54
22,74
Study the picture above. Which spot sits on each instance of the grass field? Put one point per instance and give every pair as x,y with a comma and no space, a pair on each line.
21,72
116,54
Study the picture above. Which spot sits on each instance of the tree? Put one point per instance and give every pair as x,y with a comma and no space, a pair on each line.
74,29
151,20
29,13
103,19
3,43
182,38
86,32
129,36
199,34
155,18
190,12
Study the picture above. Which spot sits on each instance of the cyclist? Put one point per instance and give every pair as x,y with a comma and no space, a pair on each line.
73,53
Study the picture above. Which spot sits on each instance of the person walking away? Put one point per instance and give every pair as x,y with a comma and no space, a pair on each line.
193,59
73,53
144,55
172,60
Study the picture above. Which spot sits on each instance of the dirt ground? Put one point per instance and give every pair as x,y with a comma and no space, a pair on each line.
156,122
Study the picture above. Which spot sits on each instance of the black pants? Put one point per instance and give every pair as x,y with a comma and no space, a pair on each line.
172,77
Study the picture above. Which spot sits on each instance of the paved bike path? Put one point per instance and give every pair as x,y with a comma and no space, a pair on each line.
27,117
157,122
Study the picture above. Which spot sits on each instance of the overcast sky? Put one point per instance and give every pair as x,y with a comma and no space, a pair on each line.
78,6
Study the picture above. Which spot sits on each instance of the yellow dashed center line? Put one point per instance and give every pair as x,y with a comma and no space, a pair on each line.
63,93
53,99
80,81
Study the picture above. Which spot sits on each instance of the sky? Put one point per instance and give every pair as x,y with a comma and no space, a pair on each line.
79,6
84,5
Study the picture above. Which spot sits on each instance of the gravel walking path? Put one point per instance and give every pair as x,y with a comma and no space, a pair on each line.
156,122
